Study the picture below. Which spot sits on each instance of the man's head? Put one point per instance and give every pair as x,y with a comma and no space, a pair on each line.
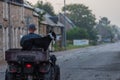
31,28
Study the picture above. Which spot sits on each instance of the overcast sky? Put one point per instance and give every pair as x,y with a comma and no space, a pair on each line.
101,8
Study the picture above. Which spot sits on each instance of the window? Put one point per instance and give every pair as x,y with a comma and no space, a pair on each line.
22,14
5,10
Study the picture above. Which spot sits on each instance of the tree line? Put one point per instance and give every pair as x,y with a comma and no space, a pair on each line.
84,20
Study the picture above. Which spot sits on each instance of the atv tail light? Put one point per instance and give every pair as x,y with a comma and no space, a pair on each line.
28,68
28,65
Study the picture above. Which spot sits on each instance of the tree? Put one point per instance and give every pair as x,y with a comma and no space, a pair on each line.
104,21
82,17
45,6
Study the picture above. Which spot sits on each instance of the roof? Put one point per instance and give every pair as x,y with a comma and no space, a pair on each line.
47,17
48,21
39,10
67,19
28,5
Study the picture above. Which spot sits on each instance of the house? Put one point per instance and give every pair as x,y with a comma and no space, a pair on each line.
15,17
49,23
103,33
66,21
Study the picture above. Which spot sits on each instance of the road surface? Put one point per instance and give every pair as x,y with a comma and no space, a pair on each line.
92,63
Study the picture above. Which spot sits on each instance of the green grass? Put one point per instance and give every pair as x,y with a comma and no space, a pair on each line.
69,47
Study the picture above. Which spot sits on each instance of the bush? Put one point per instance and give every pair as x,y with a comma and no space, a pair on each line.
77,33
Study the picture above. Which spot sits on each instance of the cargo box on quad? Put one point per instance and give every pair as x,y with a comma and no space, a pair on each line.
33,55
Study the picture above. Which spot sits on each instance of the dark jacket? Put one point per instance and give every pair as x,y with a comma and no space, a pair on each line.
25,39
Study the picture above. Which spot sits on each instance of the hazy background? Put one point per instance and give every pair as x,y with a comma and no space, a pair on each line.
101,8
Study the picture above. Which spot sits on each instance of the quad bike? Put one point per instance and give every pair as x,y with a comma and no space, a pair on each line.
35,64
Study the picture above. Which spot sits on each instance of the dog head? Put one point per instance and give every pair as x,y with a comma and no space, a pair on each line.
52,35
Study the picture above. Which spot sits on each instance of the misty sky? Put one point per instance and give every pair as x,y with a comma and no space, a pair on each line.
101,8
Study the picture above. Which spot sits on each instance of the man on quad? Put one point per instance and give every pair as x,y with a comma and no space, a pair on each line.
33,40
24,42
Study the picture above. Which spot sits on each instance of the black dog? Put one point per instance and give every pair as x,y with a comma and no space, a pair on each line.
43,42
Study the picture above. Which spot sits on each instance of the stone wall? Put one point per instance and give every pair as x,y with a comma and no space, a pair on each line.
20,18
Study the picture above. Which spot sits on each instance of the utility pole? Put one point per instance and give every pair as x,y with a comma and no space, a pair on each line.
9,25
64,24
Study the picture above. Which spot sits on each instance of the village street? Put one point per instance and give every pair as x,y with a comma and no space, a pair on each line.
92,63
